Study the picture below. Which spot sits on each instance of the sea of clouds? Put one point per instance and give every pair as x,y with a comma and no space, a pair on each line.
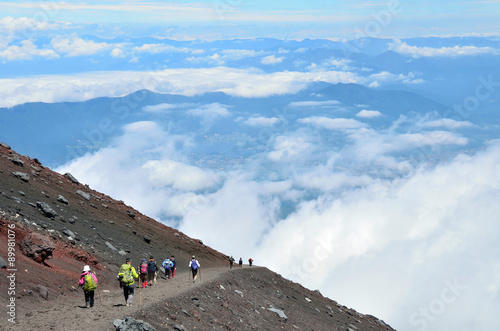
411,243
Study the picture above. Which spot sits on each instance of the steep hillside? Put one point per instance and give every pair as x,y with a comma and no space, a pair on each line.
51,225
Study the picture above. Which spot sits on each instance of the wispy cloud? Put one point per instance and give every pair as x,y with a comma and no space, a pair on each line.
76,46
262,121
332,123
416,52
365,113
26,50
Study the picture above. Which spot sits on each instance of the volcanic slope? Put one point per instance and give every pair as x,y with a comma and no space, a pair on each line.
58,225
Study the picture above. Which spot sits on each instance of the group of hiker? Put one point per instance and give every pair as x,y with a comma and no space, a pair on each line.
240,262
146,273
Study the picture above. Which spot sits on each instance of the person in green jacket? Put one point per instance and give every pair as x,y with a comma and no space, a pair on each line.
126,277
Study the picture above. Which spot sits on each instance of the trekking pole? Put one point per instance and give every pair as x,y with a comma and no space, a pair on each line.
99,292
140,295
199,269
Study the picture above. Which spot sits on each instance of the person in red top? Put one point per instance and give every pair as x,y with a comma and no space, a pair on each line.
88,284
143,273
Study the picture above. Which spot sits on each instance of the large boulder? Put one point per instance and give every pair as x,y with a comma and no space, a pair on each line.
37,246
46,209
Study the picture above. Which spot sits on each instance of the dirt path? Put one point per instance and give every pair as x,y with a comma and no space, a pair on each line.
74,316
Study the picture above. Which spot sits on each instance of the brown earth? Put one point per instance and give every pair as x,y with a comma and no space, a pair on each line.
104,233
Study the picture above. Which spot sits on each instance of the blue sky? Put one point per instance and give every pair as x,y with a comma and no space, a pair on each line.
397,18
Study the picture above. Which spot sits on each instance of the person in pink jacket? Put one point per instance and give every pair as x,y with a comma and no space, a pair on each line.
88,282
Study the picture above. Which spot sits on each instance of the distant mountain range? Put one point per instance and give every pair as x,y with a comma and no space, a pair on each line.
58,132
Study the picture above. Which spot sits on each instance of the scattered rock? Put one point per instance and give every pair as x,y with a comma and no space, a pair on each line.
178,327
62,199
17,160
21,175
68,233
131,324
37,246
147,239
239,293
4,145
72,178
84,195
308,300
3,264
46,209
42,290
113,248
279,312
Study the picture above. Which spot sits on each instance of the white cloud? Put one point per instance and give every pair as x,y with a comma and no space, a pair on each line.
369,234
262,121
416,52
178,175
365,113
332,123
315,104
288,148
374,80
447,123
238,54
166,107
160,48
271,59
25,51
341,64
76,46
25,25
117,52
433,138
210,112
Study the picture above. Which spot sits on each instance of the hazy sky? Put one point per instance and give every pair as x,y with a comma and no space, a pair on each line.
291,19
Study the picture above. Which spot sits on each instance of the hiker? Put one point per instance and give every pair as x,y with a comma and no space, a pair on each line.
231,262
143,273
167,265
88,282
250,260
152,271
172,259
240,262
195,266
126,277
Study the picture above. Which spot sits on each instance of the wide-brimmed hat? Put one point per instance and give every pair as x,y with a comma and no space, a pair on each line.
86,268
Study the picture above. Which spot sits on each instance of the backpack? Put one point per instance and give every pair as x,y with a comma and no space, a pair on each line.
151,266
89,283
194,265
167,264
144,268
127,274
